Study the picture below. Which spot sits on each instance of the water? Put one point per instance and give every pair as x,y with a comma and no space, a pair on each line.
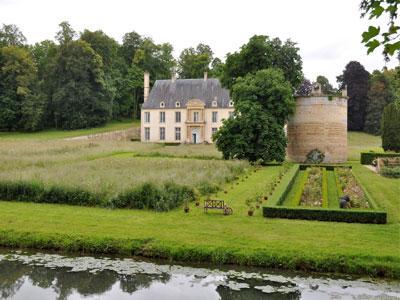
52,276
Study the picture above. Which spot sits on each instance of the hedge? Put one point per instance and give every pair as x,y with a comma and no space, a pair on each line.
368,157
336,215
284,187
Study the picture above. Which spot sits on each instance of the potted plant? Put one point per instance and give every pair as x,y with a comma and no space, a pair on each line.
186,207
250,207
265,198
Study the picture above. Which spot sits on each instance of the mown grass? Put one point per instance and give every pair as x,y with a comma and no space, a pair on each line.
333,196
358,142
50,134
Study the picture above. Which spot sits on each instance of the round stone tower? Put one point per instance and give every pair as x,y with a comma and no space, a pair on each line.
320,122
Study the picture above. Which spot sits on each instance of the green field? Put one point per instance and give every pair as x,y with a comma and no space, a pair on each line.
196,236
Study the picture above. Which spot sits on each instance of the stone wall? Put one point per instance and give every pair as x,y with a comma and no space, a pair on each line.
120,135
318,123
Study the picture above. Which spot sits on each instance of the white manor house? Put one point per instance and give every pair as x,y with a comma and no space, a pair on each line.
183,110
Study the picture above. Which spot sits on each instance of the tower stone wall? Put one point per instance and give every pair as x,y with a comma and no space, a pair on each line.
318,123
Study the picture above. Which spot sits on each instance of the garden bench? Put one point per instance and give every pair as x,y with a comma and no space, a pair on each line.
217,204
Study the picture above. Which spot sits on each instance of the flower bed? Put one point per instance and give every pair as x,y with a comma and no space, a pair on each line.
312,192
349,186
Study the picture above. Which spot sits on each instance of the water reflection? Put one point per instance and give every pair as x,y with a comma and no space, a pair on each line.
45,276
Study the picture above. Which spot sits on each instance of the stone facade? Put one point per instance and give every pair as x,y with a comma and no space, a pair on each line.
183,110
318,123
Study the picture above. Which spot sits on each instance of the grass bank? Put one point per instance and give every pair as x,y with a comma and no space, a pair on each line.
50,134
287,244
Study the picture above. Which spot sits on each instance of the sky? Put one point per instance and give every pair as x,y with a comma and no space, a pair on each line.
328,32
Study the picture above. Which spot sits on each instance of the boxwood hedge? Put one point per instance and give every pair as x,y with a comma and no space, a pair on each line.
336,215
368,157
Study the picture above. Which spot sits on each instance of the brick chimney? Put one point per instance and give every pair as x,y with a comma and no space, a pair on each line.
146,86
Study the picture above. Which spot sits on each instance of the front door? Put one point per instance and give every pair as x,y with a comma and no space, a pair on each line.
195,136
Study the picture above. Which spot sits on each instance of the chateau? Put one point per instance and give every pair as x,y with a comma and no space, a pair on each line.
183,110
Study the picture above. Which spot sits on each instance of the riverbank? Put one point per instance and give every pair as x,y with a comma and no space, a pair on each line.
363,249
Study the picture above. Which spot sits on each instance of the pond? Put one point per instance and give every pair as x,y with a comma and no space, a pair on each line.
42,276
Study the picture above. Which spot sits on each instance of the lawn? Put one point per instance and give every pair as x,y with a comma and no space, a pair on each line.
362,142
196,236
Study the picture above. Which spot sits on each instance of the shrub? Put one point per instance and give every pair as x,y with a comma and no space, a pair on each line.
390,172
150,196
21,191
207,188
391,127
336,215
368,157
71,196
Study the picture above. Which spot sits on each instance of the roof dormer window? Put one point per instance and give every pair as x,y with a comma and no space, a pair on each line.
231,103
162,104
177,104
214,104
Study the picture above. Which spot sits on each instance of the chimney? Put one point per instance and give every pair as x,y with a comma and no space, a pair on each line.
173,78
205,76
146,86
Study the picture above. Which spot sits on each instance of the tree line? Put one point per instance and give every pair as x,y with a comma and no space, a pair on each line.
84,80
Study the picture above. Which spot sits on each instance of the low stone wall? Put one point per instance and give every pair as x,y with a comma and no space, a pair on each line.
120,135
318,123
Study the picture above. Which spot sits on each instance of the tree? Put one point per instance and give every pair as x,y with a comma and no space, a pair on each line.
217,68
393,77
379,95
391,127
326,87
263,102
20,108
389,38
131,43
261,53
193,63
251,134
270,89
66,33
79,98
156,59
356,78
305,88
10,35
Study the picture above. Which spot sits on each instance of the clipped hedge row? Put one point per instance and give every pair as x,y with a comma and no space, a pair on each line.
145,196
284,187
368,157
336,215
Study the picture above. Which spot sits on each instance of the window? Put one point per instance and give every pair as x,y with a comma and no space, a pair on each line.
196,116
162,116
177,133
213,130
162,133
177,104
231,103
214,104
162,104
146,133
214,116
231,114
177,117
147,117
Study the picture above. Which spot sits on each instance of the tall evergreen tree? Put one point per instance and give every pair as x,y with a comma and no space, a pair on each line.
356,78
379,95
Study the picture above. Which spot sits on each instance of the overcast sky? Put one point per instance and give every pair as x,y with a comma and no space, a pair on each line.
328,32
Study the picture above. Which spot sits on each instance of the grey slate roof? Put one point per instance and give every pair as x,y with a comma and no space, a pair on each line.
183,90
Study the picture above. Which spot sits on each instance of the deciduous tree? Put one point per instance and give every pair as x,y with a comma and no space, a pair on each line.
193,62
